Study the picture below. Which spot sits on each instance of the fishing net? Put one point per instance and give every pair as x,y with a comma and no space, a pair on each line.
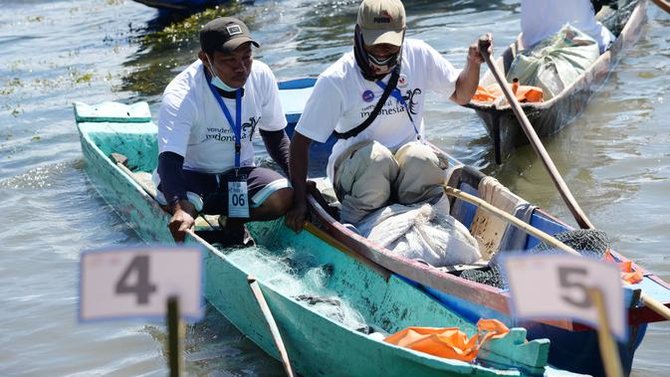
489,275
591,243
588,242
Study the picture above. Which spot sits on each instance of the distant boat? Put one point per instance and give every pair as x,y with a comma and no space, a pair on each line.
552,115
188,5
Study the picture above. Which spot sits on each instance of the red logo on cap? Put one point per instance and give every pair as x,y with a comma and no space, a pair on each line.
384,18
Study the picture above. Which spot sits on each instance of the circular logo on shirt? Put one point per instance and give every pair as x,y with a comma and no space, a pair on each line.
368,96
402,80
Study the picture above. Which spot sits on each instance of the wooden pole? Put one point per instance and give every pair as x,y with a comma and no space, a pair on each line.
608,347
269,319
175,329
663,4
549,239
564,191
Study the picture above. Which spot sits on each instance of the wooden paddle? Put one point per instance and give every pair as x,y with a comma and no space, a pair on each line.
580,217
663,4
269,319
650,302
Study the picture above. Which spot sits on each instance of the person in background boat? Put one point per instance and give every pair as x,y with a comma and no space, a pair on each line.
541,19
378,159
208,117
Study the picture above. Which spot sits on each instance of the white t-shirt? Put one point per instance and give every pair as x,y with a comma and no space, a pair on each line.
342,99
192,124
541,19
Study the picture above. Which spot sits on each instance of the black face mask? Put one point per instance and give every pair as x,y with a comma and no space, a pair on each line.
366,62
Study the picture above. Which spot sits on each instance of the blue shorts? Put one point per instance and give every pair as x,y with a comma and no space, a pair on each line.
213,188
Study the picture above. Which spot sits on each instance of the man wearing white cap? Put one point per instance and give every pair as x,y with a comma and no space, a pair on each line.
373,99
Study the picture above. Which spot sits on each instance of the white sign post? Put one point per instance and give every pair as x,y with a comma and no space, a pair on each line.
567,286
143,282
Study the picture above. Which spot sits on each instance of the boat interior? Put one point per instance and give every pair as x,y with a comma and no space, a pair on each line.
493,234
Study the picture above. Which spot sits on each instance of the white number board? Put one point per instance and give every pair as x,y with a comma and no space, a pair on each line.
136,282
556,287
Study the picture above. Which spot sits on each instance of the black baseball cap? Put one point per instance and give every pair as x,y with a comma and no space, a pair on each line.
224,34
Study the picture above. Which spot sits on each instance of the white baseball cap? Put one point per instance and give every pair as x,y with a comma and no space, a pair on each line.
381,21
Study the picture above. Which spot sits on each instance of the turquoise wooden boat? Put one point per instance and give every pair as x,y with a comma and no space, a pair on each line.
318,343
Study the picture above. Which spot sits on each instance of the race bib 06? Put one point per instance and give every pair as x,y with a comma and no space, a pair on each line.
238,202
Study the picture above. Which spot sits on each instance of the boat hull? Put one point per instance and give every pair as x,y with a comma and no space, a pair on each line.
185,6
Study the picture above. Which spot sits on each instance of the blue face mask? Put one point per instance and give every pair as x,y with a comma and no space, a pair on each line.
216,81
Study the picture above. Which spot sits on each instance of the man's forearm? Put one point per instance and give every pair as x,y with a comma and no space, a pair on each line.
173,183
277,143
467,82
298,164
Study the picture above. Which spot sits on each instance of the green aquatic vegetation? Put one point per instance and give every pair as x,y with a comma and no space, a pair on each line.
10,86
86,77
35,18
164,51
15,112
16,64
187,29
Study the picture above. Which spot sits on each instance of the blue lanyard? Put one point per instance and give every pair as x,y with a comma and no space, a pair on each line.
398,96
235,126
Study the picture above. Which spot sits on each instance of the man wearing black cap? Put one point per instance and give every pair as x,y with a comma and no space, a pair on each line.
373,98
208,117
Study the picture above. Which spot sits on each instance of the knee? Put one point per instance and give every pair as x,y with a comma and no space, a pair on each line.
379,161
416,155
279,202
379,155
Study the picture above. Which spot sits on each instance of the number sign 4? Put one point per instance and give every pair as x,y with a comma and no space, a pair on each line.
136,282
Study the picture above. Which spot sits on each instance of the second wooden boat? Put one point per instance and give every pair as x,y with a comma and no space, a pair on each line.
552,115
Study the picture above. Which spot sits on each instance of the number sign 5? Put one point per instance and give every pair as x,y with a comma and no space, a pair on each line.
556,287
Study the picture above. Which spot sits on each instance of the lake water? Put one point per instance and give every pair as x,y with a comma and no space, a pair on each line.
615,157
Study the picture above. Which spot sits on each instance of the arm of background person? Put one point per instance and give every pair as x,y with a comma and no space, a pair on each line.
468,80
298,163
